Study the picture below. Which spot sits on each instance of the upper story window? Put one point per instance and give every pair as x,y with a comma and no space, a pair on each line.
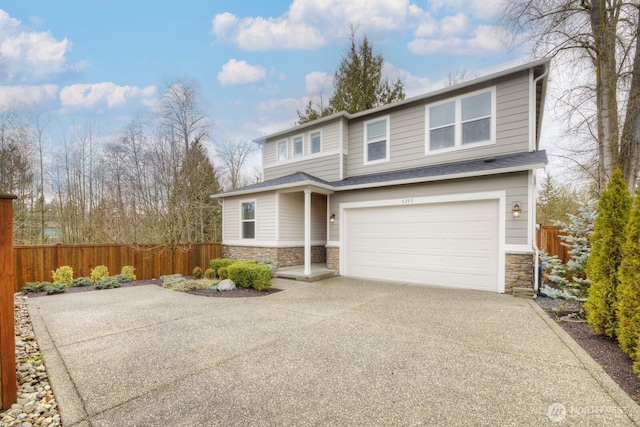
464,121
248,212
282,150
376,140
315,142
298,146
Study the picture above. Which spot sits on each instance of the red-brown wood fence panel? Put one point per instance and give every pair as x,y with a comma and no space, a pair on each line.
8,385
549,241
36,263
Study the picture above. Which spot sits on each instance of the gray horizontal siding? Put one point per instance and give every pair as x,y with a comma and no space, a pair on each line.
325,167
408,135
515,185
265,217
292,217
331,138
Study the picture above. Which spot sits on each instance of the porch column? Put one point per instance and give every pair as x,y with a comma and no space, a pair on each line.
307,232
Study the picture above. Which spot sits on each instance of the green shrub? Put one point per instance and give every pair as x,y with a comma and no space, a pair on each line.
128,270
606,255
628,326
108,283
122,278
217,263
198,273
32,287
82,281
210,274
99,273
63,275
223,273
247,274
263,278
55,288
172,282
189,285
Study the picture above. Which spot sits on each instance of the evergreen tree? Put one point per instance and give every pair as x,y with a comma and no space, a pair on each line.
606,255
571,277
628,306
358,84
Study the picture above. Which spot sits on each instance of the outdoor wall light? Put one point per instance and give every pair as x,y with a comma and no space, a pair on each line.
332,218
517,210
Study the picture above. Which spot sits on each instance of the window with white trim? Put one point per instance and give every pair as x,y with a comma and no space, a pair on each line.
465,121
282,150
298,146
248,215
315,140
376,140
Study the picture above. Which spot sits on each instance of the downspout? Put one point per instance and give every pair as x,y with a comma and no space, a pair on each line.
536,250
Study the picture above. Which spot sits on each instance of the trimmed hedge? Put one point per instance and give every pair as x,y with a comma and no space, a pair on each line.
247,274
216,264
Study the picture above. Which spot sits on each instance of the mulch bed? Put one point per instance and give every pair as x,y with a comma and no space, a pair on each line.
236,293
605,351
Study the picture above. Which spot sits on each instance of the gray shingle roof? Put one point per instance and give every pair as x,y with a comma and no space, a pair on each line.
477,167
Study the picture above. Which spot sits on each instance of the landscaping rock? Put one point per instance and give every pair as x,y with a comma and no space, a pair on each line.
226,285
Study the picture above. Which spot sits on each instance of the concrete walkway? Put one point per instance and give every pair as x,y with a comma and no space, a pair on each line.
339,352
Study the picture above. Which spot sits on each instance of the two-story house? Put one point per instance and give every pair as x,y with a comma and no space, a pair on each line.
438,189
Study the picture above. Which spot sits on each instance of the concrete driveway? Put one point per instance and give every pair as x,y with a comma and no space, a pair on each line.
340,352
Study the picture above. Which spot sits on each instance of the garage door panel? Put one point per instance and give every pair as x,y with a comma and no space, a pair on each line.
445,244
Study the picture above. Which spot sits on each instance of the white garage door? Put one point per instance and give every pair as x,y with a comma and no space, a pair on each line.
442,244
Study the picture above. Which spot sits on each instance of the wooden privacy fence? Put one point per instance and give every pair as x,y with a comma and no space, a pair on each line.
35,263
8,385
549,241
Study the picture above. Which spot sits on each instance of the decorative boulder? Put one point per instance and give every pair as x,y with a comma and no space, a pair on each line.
226,285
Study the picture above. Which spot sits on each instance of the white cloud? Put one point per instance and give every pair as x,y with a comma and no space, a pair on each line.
30,55
318,82
27,95
481,9
88,95
413,85
483,39
309,24
237,72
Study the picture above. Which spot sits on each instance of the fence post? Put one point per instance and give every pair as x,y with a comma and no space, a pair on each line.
8,386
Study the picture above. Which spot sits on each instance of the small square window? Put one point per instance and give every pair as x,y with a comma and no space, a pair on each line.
316,142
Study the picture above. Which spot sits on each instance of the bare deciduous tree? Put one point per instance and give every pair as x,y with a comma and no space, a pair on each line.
601,36
233,155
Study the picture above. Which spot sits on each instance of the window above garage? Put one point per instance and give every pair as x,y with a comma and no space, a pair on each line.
376,140
463,122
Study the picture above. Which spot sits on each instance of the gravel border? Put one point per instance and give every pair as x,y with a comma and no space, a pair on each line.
36,406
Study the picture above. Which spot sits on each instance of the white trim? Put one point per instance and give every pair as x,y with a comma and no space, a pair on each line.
293,146
277,215
532,111
301,159
255,219
341,150
501,196
518,249
366,143
332,244
328,214
311,132
307,232
457,124
272,243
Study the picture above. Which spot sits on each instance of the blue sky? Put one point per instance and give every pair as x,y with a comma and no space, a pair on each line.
255,62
